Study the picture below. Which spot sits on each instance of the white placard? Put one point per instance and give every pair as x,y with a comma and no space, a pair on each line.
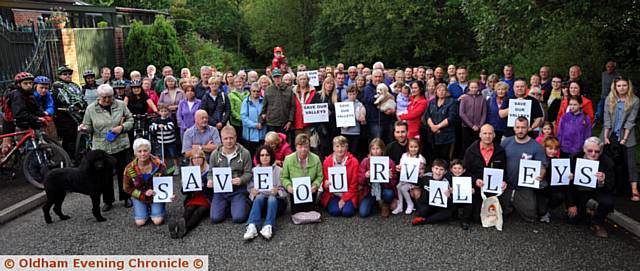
313,78
437,193
222,180
560,170
528,171
586,173
301,190
379,169
163,188
337,179
314,113
263,178
345,114
492,180
462,189
518,108
409,170
191,178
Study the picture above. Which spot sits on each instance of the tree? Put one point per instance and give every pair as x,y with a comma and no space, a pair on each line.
156,45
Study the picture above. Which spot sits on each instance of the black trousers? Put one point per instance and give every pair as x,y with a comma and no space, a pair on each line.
468,137
122,159
605,206
67,130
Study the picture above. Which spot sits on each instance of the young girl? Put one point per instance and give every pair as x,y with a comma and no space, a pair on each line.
165,133
274,200
547,196
402,100
574,129
369,193
413,151
547,131
196,204
457,170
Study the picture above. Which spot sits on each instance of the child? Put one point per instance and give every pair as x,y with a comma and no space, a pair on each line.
196,204
547,131
165,131
353,133
279,60
457,170
574,128
426,213
547,196
369,193
413,151
402,100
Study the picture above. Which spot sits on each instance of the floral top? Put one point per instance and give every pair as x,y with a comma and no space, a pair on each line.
136,183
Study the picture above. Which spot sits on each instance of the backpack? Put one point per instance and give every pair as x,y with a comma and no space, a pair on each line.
5,104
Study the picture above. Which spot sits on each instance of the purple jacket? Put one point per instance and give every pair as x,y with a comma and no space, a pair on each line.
186,116
573,131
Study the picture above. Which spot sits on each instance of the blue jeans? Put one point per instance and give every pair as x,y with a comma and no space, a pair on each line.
255,216
220,204
141,210
599,110
348,210
366,206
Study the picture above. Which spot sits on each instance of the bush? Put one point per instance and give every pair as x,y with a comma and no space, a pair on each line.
156,45
103,24
200,52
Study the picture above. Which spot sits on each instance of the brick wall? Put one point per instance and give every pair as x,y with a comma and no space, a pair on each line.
22,17
119,46
70,54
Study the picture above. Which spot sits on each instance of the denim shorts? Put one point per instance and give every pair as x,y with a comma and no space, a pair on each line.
141,210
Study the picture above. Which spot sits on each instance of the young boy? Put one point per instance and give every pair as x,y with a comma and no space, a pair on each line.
426,213
165,132
353,133
457,170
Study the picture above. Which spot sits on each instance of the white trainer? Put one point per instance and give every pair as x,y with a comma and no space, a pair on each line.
266,231
251,233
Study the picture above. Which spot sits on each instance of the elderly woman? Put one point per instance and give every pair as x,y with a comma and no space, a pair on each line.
620,112
187,109
578,196
236,157
146,87
138,183
109,120
302,163
172,94
253,127
278,143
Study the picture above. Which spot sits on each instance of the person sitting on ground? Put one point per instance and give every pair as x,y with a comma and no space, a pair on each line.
340,204
369,193
426,213
302,163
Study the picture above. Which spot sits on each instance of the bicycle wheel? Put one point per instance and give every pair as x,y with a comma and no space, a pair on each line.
83,146
38,162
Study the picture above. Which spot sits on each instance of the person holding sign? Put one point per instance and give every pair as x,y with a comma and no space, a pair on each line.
521,147
603,192
484,153
457,170
303,93
138,183
416,108
340,203
302,163
370,192
273,197
235,156
520,89
426,211
196,203
403,187
327,130
353,133
550,196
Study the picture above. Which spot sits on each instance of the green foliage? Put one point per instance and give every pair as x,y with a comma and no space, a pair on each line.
156,44
146,4
201,52
102,24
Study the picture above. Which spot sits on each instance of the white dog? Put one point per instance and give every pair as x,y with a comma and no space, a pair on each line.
384,100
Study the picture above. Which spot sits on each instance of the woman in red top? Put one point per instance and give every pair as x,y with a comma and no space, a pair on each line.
417,106
344,203
303,93
587,105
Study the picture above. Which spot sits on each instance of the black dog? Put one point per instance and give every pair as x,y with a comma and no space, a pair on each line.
91,178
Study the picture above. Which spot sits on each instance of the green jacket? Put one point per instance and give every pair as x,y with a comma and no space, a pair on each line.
99,121
279,105
291,169
236,99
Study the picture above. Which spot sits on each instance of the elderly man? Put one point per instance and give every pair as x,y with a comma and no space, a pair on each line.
118,74
105,76
166,71
236,157
575,74
202,87
578,197
380,123
484,153
151,74
352,73
201,135
278,110
521,147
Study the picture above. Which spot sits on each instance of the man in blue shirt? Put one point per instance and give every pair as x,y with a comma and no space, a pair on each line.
459,87
341,87
507,73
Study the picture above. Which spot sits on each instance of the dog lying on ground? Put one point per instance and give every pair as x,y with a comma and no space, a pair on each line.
384,100
91,178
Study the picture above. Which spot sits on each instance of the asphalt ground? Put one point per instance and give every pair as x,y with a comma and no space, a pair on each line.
355,243
14,190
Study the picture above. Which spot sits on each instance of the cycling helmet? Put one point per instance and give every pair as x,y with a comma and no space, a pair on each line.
22,76
88,73
119,84
64,68
136,84
277,49
42,80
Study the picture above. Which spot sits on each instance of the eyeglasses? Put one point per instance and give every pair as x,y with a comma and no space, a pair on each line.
593,151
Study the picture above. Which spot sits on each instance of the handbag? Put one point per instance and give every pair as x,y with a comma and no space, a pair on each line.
491,212
305,217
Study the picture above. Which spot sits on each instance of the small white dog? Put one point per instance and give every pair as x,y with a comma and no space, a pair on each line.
384,100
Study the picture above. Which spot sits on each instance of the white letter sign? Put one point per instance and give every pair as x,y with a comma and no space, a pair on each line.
314,113
492,180
345,114
560,170
462,190
586,173
191,179
437,195
163,188
222,179
528,172
409,170
263,178
379,169
337,179
301,190
518,108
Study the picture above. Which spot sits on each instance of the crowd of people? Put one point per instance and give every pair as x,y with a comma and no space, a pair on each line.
453,125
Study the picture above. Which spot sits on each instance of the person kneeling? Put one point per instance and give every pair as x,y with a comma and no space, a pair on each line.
426,213
338,204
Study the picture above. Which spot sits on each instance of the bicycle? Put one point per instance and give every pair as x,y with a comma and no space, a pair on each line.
84,144
141,125
38,155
